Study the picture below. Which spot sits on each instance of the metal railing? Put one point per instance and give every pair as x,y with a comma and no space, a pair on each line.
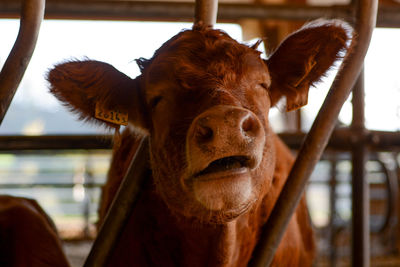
67,184
359,136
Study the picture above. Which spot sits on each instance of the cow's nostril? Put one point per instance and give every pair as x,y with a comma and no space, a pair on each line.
204,133
249,126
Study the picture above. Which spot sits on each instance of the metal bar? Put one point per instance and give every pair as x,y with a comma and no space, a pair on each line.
14,68
182,11
138,10
52,185
55,142
360,189
388,16
332,209
206,12
342,139
360,209
287,12
318,136
358,120
121,208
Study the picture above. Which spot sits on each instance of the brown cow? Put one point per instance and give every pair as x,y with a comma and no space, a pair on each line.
28,237
217,167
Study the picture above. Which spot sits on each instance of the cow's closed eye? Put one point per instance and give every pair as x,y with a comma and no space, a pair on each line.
264,85
154,102
261,87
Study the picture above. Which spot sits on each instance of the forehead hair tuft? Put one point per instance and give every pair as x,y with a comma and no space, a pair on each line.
197,55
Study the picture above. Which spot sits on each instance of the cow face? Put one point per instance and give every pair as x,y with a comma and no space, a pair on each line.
204,100
208,103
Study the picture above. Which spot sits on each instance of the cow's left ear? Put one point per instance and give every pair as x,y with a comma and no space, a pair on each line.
303,58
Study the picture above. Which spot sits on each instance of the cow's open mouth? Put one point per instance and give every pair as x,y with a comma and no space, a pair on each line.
226,164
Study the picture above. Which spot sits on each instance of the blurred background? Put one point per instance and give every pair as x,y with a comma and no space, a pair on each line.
67,182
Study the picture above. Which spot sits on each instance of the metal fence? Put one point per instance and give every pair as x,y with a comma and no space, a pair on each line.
66,183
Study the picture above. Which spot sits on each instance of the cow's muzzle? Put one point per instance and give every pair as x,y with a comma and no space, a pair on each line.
224,139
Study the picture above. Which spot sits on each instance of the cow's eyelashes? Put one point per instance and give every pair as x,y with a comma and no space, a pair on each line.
262,86
154,101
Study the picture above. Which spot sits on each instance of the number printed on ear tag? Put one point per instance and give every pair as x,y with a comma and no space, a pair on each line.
114,116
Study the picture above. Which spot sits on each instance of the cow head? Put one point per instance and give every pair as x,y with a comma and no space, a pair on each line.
204,100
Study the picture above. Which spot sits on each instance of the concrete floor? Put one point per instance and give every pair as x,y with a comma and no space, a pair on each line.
77,252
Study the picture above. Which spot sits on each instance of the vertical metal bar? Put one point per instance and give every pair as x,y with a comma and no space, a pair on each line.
206,12
121,208
332,209
88,193
360,193
318,136
14,68
299,120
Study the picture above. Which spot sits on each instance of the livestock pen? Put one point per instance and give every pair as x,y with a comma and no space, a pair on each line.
76,165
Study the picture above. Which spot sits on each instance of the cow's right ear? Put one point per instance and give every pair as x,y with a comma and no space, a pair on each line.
98,92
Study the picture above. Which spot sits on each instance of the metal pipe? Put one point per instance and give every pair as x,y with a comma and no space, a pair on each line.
206,12
121,207
332,209
14,68
388,15
360,209
183,11
341,139
318,136
360,188
177,11
55,142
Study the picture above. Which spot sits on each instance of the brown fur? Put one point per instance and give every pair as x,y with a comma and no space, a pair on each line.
28,237
217,167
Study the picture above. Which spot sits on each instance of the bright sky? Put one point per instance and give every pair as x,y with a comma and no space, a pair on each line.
382,84
120,43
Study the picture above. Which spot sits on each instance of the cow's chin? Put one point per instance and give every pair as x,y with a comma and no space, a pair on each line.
223,196
216,195
223,192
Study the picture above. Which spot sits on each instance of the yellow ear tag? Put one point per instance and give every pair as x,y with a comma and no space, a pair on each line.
114,116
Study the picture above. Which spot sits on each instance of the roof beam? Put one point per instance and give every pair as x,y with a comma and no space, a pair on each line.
388,16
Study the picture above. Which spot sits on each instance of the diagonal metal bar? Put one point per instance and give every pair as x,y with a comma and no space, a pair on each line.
129,191
14,68
121,207
318,137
